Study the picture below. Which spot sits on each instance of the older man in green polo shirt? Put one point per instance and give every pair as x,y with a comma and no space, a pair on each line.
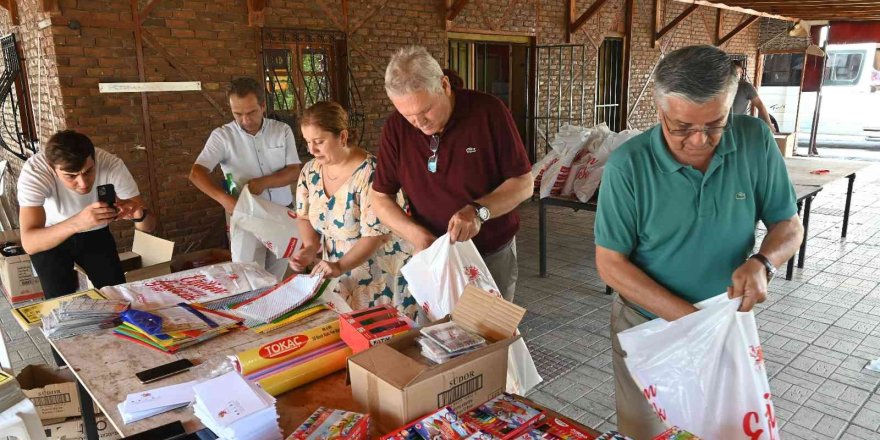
678,206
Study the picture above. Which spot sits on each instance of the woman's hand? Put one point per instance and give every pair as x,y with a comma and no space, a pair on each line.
327,269
303,258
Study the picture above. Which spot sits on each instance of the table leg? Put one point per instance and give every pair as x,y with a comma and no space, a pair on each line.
58,360
789,271
852,179
802,254
87,406
609,290
542,238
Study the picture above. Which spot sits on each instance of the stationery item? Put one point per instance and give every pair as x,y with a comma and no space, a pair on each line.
482,435
81,315
504,416
452,337
555,428
144,404
286,296
308,368
288,318
287,347
613,435
174,328
236,409
31,315
333,424
365,328
444,424
676,433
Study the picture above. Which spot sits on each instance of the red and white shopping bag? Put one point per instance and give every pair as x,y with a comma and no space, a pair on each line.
705,372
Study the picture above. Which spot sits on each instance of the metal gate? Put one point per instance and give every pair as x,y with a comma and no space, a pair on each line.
17,130
609,84
560,92
302,67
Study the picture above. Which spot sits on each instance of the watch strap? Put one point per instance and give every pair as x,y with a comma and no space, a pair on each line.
143,217
771,269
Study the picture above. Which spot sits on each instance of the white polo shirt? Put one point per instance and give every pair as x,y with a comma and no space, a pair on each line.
248,156
39,186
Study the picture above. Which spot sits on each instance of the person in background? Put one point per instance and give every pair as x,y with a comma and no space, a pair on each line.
252,150
458,157
677,210
747,94
335,217
63,223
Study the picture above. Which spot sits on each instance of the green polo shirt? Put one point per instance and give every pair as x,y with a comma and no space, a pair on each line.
687,230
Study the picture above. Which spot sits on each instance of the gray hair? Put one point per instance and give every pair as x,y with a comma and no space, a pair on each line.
413,69
697,74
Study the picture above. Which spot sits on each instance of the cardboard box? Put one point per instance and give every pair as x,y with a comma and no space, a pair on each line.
150,257
17,276
52,390
197,259
365,328
786,143
72,429
397,385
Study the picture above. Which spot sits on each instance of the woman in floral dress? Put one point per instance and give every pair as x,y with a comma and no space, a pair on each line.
335,218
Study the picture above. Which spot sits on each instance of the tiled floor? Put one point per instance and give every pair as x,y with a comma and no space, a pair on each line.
819,330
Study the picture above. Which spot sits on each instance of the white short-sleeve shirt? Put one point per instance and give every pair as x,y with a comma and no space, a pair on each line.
247,156
39,186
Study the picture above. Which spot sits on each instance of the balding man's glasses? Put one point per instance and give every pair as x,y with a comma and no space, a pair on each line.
435,145
688,132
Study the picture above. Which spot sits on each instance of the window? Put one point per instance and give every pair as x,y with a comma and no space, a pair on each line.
783,70
843,68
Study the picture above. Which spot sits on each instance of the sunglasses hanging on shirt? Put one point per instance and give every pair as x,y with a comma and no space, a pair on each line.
432,160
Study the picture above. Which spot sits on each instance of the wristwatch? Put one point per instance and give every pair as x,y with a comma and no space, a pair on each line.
771,269
482,211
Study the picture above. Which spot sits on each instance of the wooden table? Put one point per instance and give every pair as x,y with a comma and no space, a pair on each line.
104,366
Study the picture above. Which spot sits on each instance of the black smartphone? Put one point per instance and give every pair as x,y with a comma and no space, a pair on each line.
163,371
107,194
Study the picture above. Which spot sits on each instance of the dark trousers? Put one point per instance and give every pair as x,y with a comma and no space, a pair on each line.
93,251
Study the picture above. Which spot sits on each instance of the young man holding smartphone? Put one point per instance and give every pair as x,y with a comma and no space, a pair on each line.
62,219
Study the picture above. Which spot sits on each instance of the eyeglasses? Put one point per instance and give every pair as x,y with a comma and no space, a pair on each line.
688,132
435,145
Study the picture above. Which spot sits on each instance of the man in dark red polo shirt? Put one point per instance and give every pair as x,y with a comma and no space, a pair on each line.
458,157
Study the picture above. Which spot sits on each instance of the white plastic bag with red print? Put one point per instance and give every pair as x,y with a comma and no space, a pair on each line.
705,372
258,221
552,172
437,275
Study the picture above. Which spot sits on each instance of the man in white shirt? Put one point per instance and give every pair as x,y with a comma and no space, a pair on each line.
62,221
255,151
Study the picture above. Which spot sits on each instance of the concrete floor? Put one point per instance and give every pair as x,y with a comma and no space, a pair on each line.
818,330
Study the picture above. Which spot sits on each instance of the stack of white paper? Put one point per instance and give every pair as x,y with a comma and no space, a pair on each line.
139,406
236,409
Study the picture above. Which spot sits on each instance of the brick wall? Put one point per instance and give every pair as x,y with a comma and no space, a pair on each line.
774,36
91,41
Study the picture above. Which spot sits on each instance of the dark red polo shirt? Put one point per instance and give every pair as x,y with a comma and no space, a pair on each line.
479,149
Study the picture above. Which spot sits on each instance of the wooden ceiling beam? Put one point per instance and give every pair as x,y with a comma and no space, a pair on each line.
455,9
745,23
256,14
50,6
741,10
12,7
586,16
672,24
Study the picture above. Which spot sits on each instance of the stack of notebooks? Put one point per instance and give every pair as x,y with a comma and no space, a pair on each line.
448,340
290,301
173,328
333,424
82,315
235,409
139,406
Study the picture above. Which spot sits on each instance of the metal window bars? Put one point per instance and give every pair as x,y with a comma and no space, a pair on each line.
16,120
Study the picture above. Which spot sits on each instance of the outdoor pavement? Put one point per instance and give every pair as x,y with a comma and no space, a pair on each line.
818,330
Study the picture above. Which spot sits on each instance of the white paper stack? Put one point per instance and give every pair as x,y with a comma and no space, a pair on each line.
235,409
139,406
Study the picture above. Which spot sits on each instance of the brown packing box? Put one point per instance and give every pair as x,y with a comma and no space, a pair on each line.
150,257
72,429
17,274
197,259
52,390
785,141
397,385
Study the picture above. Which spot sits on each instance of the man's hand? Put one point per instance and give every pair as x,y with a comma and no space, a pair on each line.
327,269
423,242
129,210
256,186
228,203
96,214
749,282
464,225
303,258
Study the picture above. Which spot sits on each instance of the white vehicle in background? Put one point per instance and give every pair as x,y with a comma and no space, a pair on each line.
850,92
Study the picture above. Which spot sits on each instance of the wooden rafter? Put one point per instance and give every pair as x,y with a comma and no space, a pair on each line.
367,17
586,16
50,6
672,24
455,9
794,10
737,9
719,22
256,13
12,7
744,24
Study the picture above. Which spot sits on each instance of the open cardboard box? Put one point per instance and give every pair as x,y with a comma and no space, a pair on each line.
72,429
52,390
397,385
17,276
150,257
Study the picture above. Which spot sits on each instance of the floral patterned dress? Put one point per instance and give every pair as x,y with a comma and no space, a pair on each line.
341,219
